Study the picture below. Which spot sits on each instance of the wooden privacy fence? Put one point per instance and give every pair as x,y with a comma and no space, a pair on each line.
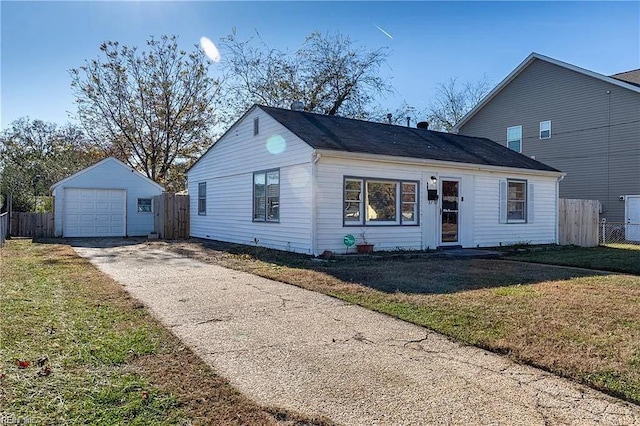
171,218
35,225
578,222
4,227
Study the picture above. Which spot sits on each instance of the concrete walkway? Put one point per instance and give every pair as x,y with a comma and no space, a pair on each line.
289,347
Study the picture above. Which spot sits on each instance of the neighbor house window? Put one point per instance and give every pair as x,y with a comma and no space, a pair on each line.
380,202
516,201
144,205
514,138
545,129
256,126
266,196
202,198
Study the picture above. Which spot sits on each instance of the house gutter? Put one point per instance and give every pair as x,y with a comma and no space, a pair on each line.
315,157
435,163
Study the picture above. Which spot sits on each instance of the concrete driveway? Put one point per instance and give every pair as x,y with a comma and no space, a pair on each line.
300,350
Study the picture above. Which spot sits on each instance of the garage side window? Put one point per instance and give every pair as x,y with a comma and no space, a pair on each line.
202,198
145,205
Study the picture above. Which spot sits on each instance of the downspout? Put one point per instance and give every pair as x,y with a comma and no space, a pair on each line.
557,236
315,157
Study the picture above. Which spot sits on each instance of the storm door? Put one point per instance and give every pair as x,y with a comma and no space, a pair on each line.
449,212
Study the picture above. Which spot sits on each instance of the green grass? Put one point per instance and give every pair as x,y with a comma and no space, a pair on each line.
110,362
617,258
47,311
576,323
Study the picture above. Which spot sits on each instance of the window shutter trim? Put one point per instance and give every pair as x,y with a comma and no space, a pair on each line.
503,202
530,203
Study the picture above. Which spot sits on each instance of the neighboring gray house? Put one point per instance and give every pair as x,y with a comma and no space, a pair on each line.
302,182
578,121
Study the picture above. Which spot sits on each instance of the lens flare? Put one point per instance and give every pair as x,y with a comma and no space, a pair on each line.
276,144
210,49
298,177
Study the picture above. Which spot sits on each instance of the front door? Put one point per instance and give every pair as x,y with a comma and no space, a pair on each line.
632,210
449,212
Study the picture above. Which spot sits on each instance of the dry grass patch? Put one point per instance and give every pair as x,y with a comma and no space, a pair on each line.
104,359
576,323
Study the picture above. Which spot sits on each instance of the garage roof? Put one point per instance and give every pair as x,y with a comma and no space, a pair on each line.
114,160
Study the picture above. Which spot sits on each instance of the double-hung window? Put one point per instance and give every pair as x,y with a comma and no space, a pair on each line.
545,129
514,138
379,202
516,201
266,196
202,198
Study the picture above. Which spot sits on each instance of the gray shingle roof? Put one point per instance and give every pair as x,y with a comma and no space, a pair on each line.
632,77
349,135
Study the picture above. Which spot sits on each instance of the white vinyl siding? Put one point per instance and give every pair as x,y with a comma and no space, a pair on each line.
490,225
228,169
331,224
545,129
514,138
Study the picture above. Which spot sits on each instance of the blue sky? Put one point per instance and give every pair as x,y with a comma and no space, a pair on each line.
432,41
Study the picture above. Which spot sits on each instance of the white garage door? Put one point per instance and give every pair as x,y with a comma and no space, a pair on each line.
92,212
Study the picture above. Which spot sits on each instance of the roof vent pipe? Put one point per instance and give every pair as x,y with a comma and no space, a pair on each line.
389,117
297,106
423,125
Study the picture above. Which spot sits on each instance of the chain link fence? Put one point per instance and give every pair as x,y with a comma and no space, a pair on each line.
619,234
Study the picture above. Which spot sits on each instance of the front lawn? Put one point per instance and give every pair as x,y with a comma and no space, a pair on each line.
579,324
619,258
76,349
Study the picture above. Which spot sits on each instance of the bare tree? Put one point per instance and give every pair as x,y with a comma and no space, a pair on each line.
452,101
329,74
153,109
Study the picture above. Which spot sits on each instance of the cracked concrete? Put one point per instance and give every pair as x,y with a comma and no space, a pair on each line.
288,347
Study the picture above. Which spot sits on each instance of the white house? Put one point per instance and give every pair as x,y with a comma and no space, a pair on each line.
107,199
299,181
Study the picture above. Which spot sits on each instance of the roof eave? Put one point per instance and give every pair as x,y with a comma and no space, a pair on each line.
93,166
435,163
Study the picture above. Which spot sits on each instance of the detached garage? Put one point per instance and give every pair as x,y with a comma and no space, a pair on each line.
108,199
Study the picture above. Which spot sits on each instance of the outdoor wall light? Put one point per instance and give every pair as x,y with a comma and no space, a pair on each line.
432,189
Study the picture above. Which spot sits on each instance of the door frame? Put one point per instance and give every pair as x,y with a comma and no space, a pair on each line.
441,179
626,214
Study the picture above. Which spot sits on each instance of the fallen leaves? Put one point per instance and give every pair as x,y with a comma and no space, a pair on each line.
22,363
